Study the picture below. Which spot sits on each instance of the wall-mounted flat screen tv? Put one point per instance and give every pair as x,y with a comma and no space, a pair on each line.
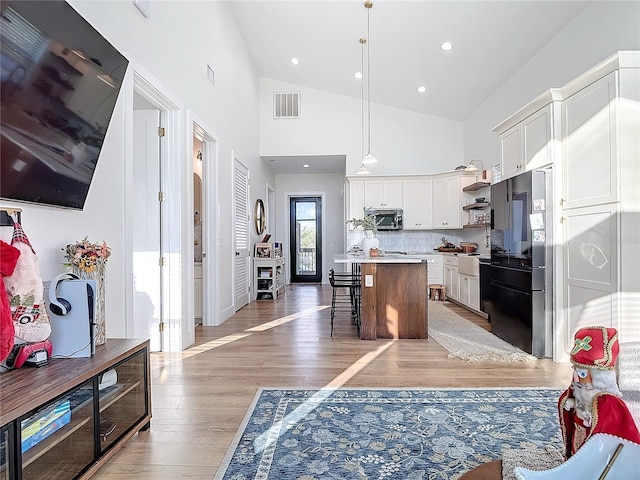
60,82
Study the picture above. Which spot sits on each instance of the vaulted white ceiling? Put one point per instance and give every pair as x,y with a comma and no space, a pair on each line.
491,41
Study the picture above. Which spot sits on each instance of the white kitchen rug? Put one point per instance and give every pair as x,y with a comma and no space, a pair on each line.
463,339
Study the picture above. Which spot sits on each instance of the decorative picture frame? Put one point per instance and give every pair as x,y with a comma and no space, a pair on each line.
264,250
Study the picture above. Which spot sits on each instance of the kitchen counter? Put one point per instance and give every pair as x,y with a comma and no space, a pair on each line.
387,258
394,295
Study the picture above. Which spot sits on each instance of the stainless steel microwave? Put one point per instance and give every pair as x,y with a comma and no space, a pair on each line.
386,218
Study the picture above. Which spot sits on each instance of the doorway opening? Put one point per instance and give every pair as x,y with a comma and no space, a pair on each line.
198,302
305,239
205,225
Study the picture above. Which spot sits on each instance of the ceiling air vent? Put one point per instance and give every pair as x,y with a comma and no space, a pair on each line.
286,105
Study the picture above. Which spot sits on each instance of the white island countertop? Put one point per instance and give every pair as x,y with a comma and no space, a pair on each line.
387,258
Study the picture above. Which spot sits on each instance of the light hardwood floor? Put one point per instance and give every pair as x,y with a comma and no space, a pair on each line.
201,395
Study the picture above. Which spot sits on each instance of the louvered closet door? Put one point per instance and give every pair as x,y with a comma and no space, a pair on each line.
241,234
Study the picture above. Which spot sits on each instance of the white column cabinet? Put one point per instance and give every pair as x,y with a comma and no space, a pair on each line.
600,205
417,201
589,148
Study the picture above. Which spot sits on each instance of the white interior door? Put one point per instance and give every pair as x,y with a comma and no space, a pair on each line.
146,227
241,235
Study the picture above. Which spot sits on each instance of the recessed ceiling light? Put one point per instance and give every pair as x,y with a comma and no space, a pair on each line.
422,89
358,75
295,61
306,165
446,46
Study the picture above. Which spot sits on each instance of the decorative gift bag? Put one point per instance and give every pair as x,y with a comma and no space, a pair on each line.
89,261
26,292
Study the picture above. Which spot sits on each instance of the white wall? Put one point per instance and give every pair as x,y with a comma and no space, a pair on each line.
330,124
331,186
600,30
174,46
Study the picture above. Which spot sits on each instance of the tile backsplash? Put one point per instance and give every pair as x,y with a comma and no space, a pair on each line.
422,241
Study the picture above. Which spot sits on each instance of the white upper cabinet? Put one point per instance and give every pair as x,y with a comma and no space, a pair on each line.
383,193
528,139
427,201
447,201
356,199
537,138
417,203
511,150
590,157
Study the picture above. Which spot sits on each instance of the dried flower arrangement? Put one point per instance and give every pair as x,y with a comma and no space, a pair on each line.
87,258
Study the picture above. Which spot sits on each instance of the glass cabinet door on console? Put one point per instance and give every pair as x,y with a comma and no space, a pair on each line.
122,399
5,455
57,440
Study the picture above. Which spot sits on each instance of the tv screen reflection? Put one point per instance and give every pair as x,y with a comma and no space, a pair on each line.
60,83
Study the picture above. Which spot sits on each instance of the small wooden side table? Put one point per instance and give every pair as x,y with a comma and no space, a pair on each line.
437,292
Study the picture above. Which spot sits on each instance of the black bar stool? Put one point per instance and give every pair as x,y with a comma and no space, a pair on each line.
345,297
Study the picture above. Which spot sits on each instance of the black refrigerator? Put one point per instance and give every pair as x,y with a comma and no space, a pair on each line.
521,262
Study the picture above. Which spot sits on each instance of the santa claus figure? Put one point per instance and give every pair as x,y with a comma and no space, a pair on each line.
590,405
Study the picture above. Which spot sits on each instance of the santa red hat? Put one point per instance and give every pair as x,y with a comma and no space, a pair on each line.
595,347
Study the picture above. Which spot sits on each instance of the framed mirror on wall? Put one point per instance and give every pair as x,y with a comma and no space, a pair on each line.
260,216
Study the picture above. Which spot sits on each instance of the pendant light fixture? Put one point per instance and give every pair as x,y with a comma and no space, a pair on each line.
368,159
362,170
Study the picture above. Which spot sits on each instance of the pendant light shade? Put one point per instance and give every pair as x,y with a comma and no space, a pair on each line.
472,167
363,170
369,159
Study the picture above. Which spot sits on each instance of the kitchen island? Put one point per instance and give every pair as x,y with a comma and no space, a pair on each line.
394,295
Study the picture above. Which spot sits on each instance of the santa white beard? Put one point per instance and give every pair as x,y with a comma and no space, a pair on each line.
602,381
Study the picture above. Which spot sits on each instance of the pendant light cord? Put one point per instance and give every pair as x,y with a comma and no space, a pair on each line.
362,42
368,5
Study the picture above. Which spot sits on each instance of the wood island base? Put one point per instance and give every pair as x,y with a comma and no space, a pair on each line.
395,305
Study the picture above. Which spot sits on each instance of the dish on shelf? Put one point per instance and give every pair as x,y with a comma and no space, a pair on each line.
481,199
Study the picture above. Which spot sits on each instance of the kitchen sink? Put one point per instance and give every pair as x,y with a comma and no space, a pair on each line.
468,265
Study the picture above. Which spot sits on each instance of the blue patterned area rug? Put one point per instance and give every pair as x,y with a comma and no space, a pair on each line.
409,434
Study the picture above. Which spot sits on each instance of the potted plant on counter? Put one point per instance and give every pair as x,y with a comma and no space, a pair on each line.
369,226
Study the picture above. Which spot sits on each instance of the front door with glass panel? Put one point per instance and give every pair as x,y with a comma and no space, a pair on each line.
305,240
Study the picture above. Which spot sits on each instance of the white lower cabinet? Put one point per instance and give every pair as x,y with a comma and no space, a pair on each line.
450,269
462,280
469,291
